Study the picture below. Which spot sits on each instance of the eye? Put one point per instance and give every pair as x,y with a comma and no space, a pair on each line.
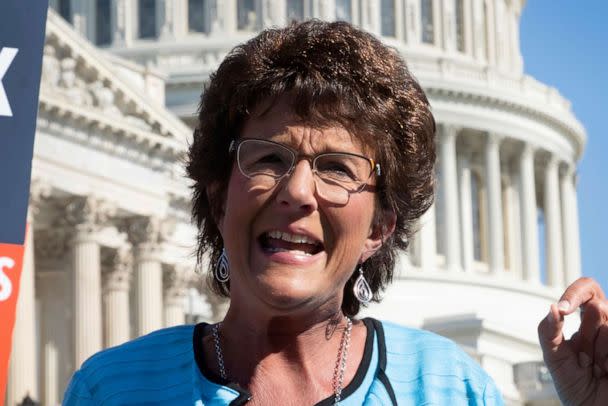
335,168
269,159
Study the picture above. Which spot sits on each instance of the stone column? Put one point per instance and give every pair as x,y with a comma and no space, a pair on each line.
553,225
83,16
176,290
116,283
513,225
428,242
22,376
490,35
478,27
495,220
146,235
229,16
400,23
413,34
324,9
529,225
572,249
272,12
468,26
448,18
166,18
148,289
122,23
466,212
180,18
87,215
54,293
54,335
449,183
370,16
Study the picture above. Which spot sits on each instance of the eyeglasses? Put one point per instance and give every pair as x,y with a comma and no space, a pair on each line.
336,174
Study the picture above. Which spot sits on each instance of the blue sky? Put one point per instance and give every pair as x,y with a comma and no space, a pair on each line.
565,44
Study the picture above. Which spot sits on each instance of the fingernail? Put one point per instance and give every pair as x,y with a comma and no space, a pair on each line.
563,305
584,360
597,371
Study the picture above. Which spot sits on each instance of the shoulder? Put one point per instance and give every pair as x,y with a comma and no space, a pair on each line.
161,358
434,366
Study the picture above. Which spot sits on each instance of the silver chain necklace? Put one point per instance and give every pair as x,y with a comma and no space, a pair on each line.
339,370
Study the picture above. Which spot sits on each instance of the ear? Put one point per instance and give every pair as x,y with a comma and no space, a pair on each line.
380,231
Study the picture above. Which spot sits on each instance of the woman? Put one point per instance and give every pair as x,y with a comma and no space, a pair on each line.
313,159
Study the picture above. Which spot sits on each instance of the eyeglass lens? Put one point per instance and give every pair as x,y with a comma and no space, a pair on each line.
337,174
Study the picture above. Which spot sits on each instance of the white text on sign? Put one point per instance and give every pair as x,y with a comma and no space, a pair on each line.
6,286
7,55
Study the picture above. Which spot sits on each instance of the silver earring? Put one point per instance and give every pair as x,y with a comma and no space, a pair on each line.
222,271
361,289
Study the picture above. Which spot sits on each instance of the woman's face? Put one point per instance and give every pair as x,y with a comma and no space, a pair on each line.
287,247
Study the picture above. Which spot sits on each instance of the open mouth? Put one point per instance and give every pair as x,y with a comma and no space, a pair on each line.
278,241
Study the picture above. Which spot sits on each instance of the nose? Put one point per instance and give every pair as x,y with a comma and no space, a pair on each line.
297,190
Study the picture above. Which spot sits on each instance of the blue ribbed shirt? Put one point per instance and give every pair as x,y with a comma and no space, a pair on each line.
400,365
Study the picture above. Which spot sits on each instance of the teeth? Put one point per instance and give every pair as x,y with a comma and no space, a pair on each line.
298,252
297,238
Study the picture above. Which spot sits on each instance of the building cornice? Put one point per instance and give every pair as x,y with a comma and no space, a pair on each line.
99,69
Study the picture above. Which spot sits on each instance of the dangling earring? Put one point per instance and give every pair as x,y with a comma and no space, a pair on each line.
222,271
361,289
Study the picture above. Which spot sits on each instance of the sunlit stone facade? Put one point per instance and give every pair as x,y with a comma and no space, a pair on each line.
110,249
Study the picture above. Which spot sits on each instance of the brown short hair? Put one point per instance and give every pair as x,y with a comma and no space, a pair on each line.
336,74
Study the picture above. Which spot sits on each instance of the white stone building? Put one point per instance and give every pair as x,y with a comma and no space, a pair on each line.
110,249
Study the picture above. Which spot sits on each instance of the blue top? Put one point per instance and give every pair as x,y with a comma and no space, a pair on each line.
400,365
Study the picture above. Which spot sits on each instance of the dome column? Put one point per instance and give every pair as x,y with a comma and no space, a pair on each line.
495,218
229,16
324,9
448,18
122,22
529,226
449,205
553,225
466,211
370,16
412,22
572,248
427,240
513,224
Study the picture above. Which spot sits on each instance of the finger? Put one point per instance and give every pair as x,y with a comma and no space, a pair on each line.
551,336
595,315
578,293
601,349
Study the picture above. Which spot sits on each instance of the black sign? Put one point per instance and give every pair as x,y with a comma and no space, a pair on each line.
22,24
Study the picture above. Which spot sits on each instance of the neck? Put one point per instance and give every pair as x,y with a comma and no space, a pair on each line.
303,347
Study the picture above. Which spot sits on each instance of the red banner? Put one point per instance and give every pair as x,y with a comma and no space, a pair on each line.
11,261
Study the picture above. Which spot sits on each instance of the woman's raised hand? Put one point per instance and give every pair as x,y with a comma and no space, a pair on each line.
579,366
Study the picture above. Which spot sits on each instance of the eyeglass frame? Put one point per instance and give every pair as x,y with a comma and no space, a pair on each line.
234,146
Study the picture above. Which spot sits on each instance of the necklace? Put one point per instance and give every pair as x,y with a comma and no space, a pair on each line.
339,370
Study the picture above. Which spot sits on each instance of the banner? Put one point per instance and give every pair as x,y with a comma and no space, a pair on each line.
11,262
22,25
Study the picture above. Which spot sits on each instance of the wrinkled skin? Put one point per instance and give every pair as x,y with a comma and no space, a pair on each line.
579,366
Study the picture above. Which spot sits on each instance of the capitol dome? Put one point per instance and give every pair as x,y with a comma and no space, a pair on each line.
121,86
